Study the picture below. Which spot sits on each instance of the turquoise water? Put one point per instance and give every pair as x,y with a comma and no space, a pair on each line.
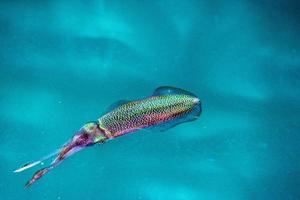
62,63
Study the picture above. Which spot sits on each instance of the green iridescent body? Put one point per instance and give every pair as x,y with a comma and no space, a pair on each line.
152,111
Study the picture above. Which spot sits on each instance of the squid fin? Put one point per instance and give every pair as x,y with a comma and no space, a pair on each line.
167,90
116,104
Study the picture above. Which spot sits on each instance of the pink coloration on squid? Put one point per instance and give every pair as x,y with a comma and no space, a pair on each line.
166,108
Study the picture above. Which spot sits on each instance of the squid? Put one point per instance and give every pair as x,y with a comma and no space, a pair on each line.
164,109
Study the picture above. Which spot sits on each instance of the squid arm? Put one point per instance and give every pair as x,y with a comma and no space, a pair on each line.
61,154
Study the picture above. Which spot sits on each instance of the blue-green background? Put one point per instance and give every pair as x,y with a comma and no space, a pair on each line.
62,63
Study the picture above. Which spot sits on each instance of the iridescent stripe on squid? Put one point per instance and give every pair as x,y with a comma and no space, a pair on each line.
152,111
